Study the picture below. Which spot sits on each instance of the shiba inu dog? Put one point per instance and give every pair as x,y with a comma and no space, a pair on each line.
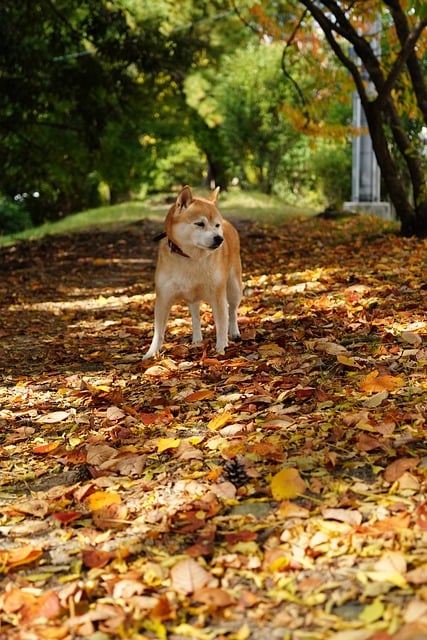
199,259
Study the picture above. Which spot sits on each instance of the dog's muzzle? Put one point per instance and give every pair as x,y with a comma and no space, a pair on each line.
217,242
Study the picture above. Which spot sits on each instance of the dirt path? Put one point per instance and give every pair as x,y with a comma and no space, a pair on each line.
274,492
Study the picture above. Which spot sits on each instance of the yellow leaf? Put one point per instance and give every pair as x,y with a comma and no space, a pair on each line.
101,499
163,444
287,484
220,420
372,612
348,362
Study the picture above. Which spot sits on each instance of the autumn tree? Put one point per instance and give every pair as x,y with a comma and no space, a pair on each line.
390,80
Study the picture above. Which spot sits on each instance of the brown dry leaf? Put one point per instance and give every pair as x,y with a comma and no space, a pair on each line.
111,516
99,454
115,413
132,465
411,338
54,416
391,561
188,576
36,507
418,575
351,516
289,509
421,516
96,558
215,597
395,469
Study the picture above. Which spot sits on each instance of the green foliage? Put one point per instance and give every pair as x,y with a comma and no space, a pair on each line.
183,163
331,164
14,216
252,93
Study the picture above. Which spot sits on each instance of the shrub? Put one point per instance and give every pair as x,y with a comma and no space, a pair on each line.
14,216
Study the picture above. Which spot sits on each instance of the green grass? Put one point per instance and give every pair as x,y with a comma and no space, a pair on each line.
233,205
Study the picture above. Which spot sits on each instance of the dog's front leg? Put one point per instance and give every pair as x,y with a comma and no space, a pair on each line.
195,321
161,314
220,314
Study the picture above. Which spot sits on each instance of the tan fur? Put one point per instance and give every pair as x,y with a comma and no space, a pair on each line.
198,260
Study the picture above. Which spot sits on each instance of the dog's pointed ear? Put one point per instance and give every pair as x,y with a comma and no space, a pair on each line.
214,194
184,199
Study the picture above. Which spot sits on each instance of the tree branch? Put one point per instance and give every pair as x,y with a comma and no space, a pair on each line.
286,72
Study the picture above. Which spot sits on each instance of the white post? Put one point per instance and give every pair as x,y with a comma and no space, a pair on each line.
366,176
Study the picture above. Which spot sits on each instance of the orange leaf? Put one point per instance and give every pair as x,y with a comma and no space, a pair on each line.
202,394
46,606
220,420
47,448
19,556
287,484
374,382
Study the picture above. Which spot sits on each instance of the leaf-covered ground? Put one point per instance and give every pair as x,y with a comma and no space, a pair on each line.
274,492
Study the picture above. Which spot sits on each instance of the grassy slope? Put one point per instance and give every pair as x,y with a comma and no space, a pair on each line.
232,204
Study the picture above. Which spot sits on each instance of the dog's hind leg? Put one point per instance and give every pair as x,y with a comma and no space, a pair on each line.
234,295
195,320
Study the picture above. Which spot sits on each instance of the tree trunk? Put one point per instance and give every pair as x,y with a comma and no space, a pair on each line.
386,127
413,218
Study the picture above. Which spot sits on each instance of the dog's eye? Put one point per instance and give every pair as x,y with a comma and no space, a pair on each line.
200,224
217,226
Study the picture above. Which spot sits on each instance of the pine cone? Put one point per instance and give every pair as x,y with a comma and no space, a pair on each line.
235,472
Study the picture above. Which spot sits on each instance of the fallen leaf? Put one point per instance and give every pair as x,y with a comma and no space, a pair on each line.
215,597
287,484
202,394
376,382
19,556
114,414
50,447
100,499
187,576
395,469
220,420
99,454
96,558
351,516
54,416
372,612
163,444
421,516
36,507
411,338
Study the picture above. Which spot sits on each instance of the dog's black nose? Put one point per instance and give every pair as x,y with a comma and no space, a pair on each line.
217,241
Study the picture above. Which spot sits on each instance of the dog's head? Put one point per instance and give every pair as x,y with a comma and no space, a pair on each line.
195,222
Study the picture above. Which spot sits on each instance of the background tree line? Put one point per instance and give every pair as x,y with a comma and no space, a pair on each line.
105,99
